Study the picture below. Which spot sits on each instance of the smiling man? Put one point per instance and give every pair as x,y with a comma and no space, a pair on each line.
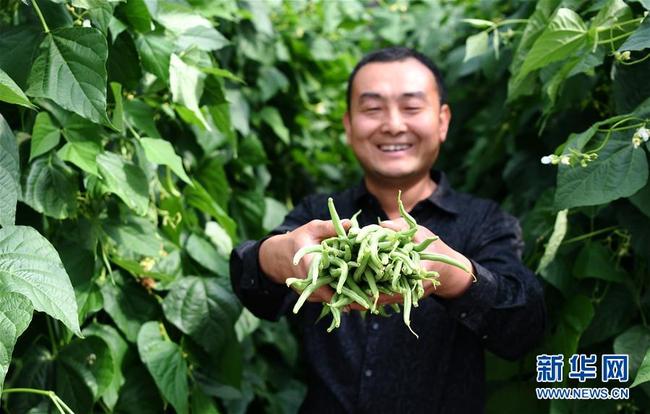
396,122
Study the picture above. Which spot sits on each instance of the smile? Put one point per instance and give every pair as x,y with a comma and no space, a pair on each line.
395,147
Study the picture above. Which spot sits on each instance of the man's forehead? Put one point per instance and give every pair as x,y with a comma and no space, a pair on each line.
404,95
403,78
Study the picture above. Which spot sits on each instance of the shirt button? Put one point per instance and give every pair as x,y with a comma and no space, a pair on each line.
368,373
484,337
463,315
375,326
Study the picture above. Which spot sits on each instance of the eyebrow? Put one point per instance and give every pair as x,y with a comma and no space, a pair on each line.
406,95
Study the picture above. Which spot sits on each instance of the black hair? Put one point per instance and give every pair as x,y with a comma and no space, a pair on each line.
394,54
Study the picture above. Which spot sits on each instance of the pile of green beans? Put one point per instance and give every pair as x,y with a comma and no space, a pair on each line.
362,263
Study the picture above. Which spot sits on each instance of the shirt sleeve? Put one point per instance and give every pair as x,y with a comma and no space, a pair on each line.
505,305
259,294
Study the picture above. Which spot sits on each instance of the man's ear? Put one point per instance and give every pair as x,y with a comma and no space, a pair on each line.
346,125
444,118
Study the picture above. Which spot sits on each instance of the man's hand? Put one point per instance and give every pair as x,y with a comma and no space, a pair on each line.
276,254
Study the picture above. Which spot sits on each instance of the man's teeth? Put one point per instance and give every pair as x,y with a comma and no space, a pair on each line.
395,147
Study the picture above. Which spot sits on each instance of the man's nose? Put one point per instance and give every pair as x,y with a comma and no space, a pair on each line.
394,122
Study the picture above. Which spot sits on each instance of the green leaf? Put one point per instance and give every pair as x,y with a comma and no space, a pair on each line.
141,116
70,70
596,261
165,362
554,242
634,342
219,237
118,111
89,359
203,38
201,403
81,154
45,135
641,199
139,394
613,11
565,34
199,197
155,53
202,308
9,174
643,374
138,15
159,151
186,85
50,187
272,117
126,180
18,45
31,266
620,171
476,45
271,81
128,304
639,40
222,73
207,255
117,347
99,11
613,314
10,92
135,234
15,316
274,213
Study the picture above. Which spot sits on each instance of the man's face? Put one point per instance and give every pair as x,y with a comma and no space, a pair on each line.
395,123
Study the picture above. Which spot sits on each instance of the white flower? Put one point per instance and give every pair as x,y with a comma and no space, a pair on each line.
86,23
643,133
546,159
565,159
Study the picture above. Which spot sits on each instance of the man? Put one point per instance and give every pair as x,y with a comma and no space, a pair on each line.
397,119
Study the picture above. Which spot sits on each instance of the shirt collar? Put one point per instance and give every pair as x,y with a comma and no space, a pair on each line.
442,197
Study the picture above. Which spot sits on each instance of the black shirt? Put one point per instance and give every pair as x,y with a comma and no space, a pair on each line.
373,364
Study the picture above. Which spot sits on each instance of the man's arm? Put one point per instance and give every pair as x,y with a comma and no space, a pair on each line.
505,306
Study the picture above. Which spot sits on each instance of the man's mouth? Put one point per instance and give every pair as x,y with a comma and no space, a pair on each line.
395,147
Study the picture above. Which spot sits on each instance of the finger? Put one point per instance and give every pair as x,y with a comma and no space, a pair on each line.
325,228
322,294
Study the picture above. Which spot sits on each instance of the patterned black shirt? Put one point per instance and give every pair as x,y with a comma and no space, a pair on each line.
373,364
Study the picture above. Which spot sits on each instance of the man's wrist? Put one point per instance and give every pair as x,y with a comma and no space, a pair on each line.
269,260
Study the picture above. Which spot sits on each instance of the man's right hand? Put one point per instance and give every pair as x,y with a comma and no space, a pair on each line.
276,254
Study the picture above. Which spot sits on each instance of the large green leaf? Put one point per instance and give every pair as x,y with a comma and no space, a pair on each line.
643,374
126,180
612,12
620,171
138,15
634,342
139,394
135,234
31,266
476,45
10,92
90,360
128,304
15,316
9,174
206,254
202,308
159,151
166,364
118,347
45,135
596,261
199,197
640,39
186,85
50,187
155,53
70,70
272,117
565,34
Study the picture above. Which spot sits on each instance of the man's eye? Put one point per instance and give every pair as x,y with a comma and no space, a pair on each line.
412,108
372,109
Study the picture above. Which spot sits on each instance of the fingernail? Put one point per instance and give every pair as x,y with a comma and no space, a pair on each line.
346,309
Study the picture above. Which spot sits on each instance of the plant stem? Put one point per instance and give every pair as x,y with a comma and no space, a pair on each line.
40,16
618,25
589,235
634,62
58,403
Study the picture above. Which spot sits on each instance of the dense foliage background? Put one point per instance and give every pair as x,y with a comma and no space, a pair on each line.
140,140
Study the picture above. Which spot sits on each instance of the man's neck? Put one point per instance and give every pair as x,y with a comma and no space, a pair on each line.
413,191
